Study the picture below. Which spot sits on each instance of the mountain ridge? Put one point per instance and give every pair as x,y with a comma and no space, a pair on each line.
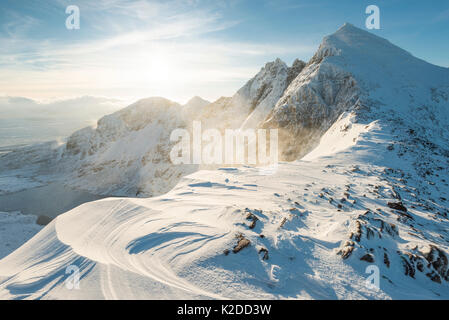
367,186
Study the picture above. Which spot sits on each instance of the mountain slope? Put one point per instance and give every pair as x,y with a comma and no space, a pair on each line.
356,70
252,103
128,152
176,245
371,190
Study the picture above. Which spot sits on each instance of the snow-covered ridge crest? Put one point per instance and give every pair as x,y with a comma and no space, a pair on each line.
128,152
373,192
311,103
132,118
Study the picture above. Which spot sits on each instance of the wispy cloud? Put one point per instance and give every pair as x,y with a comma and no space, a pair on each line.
137,48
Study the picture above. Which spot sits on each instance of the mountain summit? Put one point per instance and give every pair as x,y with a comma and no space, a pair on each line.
354,70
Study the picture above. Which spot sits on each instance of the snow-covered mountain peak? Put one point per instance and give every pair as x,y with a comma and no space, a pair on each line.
350,36
149,105
375,61
194,107
261,86
273,65
356,70
196,102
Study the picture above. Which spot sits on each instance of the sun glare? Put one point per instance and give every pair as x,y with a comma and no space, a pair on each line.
158,69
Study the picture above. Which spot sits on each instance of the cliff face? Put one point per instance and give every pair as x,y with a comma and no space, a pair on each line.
253,102
354,70
128,152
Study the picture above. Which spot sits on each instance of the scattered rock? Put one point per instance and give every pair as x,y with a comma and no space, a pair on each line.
386,260
439,261
397,206
253,218
358,233
409,270
346,252
243,243
43,220
265,253
368,258
294,211
434,277
284,220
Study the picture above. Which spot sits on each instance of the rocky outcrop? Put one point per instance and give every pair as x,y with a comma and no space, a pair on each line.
309,106
128,152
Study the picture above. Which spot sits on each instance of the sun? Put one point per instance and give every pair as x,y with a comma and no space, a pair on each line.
158,69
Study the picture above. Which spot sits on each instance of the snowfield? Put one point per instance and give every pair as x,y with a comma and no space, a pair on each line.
364,126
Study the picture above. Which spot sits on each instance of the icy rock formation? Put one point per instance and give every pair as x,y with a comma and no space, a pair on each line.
253,102
354,70
128,152
309,106
193,108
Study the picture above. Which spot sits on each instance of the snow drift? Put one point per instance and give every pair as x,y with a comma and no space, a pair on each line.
369,121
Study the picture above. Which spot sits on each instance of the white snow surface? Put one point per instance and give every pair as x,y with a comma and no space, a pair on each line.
374,122
172,246
15,230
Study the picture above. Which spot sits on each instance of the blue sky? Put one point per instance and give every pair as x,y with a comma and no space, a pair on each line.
180,48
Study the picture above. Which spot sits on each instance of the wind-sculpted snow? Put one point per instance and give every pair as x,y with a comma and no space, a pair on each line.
309,231
369,121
